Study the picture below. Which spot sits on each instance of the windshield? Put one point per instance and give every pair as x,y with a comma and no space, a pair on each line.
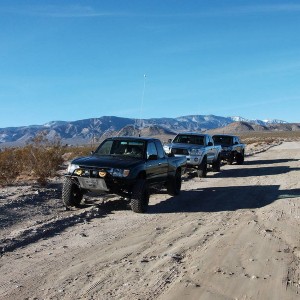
124,148
189,139
222,140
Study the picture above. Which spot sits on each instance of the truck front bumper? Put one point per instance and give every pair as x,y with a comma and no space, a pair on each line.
225,154
192,160
108,184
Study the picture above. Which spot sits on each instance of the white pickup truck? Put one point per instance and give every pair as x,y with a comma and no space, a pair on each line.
199,150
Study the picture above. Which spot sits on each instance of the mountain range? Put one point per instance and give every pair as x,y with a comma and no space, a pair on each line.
95,129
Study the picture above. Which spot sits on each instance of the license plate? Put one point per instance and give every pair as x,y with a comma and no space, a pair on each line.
93,184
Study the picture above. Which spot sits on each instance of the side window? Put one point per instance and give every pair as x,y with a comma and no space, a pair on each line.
106,148
160,150
151,149
207,140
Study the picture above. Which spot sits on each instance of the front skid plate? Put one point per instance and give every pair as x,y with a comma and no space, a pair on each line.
93,184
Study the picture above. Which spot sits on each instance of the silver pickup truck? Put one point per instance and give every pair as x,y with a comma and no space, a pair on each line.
199,150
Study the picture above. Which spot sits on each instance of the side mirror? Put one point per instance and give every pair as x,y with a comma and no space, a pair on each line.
171,154
169,140
209,144
152,157
236,143
92,152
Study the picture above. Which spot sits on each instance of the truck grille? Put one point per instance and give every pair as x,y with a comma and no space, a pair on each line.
180,151
93,172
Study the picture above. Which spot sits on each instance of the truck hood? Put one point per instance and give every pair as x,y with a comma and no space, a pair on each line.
107,162
185,146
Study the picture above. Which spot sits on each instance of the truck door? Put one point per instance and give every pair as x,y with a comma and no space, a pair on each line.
210,149
157,163
237,144
152,164
163,161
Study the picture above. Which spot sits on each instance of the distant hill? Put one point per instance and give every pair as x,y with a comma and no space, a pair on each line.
96,129
239,127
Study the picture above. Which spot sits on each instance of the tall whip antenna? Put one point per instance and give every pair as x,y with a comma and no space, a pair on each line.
142,101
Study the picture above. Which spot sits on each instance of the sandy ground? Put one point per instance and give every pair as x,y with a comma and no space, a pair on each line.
232,235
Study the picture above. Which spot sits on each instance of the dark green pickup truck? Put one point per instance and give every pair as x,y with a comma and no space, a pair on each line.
232,148
126,166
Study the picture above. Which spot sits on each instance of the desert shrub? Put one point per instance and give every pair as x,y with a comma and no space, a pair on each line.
10,166
78,151
269,137
43,158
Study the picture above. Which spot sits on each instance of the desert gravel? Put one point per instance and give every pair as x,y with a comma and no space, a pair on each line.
232,235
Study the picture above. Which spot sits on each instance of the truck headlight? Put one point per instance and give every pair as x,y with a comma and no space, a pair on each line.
196,152
120,172
167,149
72,168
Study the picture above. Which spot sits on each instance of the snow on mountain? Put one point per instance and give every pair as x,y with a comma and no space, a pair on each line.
274,121
238,119
3,137
54,123
256,121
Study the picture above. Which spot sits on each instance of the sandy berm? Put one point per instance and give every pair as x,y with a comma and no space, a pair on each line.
232,235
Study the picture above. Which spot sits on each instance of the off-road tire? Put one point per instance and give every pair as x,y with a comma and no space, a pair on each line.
240,158
216,166
174,184
71,193
202,171
140,196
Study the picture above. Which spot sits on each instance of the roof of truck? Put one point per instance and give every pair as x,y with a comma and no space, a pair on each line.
221,134
192,133
142,138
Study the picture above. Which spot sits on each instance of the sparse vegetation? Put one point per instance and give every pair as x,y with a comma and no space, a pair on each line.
10,166
43,158
269,137
78,151
40,159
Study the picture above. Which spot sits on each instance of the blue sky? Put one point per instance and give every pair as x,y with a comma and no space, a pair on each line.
71,60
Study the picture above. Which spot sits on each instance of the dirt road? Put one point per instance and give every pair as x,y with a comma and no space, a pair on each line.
232,235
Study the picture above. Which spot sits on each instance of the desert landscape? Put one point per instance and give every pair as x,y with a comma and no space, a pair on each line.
163,81
232,235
